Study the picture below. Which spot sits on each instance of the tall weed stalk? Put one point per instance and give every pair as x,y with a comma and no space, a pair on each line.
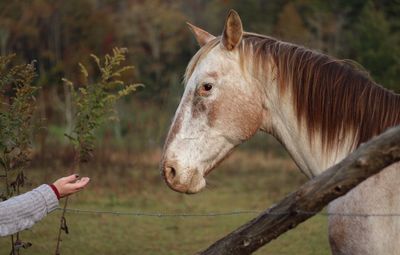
18,104
93,103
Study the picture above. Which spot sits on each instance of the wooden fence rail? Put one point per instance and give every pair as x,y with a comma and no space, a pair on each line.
369,159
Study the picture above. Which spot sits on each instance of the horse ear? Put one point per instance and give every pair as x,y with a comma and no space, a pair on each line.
233,30
202,37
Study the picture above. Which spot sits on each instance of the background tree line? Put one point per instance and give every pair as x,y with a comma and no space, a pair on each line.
59,34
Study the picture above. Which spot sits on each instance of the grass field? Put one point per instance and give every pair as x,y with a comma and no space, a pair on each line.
246,181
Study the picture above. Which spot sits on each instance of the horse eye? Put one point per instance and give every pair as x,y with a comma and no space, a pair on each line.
207,86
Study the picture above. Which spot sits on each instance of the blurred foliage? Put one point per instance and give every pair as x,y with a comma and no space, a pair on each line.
93,102
374,44
17,98
16,110
59,34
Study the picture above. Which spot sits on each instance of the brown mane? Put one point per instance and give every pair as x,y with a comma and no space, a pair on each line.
330,96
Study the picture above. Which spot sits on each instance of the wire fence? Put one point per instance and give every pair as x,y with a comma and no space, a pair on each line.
220,214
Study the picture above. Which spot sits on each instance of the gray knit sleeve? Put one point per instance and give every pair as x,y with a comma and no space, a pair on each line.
21,212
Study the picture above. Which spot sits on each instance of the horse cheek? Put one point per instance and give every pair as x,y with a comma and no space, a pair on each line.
235,115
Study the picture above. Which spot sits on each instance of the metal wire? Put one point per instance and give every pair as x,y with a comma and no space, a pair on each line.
160,214
220,214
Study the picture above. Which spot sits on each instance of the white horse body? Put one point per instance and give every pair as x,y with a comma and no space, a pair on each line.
357,233
374,234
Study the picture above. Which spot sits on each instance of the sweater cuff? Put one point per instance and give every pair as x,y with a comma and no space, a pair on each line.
49,196
54,188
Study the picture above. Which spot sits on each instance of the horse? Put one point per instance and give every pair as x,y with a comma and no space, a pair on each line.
318,107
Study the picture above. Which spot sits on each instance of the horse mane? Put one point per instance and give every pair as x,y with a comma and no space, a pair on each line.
331,97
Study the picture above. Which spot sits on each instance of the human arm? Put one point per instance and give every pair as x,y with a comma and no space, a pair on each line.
23,211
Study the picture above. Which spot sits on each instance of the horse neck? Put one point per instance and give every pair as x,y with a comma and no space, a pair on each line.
310,157
318,107
369,110
308,152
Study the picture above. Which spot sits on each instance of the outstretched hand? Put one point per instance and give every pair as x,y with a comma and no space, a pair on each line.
70,184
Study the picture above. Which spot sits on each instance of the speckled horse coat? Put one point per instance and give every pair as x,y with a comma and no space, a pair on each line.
318,107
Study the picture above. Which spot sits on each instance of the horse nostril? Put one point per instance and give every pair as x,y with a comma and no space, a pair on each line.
170,173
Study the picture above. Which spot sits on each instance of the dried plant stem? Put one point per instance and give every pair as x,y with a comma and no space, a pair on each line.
75,168
17,241
17,235
12,245
8,195
62,220
7,182
91,104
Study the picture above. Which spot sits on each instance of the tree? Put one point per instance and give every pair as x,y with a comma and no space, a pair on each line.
157,36
371,42
290,26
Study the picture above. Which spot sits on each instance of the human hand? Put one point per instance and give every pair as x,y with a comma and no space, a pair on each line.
70,184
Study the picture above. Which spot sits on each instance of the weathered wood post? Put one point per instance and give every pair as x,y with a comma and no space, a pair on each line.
369,159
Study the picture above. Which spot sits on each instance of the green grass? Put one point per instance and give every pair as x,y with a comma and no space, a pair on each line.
247,181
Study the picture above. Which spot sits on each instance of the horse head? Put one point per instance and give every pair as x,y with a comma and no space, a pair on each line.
220,108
